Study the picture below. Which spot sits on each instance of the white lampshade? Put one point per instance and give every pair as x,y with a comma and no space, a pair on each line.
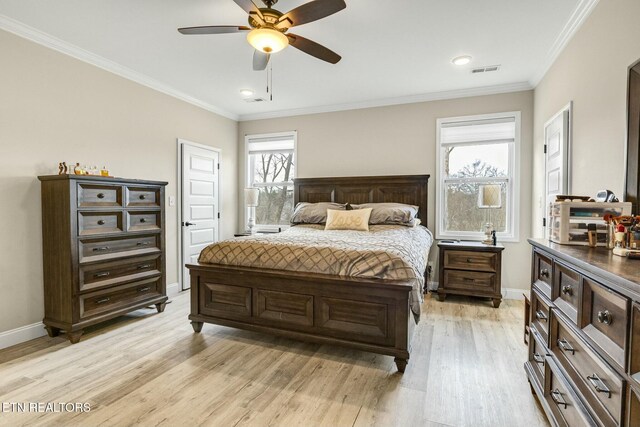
490,196
251,196
267,40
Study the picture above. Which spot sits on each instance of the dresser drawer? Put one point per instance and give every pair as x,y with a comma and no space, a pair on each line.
471,282
99,195
540,315
108,300
566,290
103,274
284,307
91,223
605,319
143,197
600,385
634,359
537,356
564,403
143,221
467,260
116,247
542,273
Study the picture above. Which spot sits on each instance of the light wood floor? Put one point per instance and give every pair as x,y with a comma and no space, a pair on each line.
151,369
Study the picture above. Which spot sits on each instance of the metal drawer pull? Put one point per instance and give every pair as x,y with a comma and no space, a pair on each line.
103,300
143,266
101,249
599,385
538,358
145,289
100,222
605,317
541,316
557,397
469,259
143,243
564,345
105,274
544,273
567,290
100,195
142,197
143,220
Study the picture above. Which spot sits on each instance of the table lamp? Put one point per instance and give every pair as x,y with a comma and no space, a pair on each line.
251,196
489,198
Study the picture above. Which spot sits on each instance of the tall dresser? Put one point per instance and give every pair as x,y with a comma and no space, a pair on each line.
103,249
584,351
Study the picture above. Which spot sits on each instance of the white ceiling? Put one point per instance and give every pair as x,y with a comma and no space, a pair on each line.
393,51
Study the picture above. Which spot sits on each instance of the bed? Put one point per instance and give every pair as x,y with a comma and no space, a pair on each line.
365,313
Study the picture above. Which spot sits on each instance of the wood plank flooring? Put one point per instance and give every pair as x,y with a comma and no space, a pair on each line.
151,370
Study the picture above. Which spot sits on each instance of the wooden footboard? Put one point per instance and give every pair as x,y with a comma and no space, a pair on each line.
370,315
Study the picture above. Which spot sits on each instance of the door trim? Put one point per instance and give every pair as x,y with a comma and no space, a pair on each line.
180,142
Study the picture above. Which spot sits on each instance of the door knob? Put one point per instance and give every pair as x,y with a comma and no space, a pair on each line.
188,224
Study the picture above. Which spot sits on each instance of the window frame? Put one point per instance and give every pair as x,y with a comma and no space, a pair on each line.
513,179
248,172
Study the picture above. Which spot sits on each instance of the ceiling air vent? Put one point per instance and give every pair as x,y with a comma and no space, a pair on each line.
487,69
254,100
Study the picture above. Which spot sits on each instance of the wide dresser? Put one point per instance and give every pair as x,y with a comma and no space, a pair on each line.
584,352
103,249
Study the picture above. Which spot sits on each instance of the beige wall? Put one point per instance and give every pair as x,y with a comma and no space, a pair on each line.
401,140
591,72
55,108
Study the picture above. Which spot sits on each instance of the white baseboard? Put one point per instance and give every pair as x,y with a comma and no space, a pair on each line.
507,293
173,289
21,334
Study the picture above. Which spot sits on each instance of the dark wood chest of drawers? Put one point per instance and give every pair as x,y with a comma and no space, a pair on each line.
584,351
470,268
103,249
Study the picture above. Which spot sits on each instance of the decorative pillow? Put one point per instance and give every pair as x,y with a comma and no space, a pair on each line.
313,213
391,213
357,219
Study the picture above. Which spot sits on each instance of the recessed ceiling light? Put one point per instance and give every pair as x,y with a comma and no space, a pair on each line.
461,60
246,92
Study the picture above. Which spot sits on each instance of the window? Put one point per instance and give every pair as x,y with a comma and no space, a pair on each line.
472,152
271,169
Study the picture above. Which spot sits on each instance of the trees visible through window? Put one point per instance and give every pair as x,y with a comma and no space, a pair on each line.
476,151
271,169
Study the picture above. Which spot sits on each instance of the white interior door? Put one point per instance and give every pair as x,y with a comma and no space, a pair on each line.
200,203
556,134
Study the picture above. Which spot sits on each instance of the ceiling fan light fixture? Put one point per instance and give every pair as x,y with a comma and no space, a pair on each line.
461,60
267,40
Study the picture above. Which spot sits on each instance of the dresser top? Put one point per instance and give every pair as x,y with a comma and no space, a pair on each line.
98,178
620,271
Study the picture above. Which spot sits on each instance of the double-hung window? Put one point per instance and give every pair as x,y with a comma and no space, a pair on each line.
473,152
271,168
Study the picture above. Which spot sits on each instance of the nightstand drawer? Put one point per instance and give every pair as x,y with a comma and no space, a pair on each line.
472,261
472,281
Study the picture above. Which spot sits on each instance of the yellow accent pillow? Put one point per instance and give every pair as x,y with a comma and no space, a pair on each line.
357,220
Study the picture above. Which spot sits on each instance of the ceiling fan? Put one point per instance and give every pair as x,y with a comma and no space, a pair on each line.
268,29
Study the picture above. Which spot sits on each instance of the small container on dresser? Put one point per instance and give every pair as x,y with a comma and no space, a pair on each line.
470,268
587,349
103,249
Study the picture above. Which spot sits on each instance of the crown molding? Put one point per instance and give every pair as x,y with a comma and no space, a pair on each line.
411,99
579,16
44,39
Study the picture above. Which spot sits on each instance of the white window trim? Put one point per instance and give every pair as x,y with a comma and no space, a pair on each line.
514,185
247,176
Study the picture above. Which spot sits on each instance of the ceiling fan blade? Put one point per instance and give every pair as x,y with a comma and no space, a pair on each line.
310,12
251,8
314,49
260,60
215,29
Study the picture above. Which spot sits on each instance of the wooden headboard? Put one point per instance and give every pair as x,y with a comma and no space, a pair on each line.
408,189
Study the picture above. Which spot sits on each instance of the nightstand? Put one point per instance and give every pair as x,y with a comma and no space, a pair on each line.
470,268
